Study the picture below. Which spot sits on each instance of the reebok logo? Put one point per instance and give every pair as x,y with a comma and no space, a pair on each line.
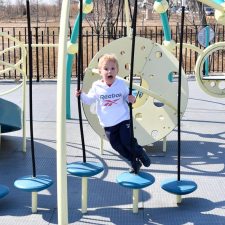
110,102
103,97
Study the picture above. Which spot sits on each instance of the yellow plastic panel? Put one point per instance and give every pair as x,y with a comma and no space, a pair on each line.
154,112
213,85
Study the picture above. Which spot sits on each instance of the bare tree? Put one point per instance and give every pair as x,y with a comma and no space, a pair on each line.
2,6
9,9
2,3
196,8
202,16
96,18
59,4
21,9
105,12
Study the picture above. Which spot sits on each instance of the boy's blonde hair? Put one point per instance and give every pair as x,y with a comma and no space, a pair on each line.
108,57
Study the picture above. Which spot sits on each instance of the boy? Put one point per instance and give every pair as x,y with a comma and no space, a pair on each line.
111,95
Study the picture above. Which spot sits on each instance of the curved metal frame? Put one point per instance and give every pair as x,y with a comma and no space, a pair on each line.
22,62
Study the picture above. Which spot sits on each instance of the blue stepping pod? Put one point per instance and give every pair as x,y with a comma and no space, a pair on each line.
10,116
135,181
33,184
179,187
4,190
85,169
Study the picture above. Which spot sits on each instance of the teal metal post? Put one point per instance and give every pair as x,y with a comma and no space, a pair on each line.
166,27
219,1
70,58
167,33
165,23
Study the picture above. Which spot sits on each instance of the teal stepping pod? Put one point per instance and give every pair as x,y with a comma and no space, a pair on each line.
4,190
10,116
85,169
33,184
135,181
179,187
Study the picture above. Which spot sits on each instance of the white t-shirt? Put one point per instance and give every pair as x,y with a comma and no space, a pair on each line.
111,102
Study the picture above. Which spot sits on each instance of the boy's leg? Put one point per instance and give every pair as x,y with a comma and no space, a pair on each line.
143,155
135,166
113,136
124,133
136,151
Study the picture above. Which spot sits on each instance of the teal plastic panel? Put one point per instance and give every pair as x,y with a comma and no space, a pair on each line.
10,116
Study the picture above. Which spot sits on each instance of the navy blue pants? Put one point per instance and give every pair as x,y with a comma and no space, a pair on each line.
119,137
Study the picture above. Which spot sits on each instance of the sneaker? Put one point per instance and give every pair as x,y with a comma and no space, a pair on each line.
145,159
135,167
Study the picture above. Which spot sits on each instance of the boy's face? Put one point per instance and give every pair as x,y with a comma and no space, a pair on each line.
108,71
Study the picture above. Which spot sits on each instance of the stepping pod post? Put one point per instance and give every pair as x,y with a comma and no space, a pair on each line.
84,170
135,182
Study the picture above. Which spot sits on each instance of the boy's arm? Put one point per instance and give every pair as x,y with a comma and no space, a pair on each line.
129,98
88,98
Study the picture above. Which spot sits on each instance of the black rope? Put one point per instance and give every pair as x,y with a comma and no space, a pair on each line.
80,72
132,71
30,87
179,95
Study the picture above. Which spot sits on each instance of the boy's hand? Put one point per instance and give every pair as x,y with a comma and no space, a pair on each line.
78,92
131,99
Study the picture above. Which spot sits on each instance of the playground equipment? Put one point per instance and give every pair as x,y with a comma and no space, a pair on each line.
12,118
32,183
72,48
137,180
164,108
12,124
153,80
179,186
83,169
10,113
213,85
153,100
61,118
4,190
160,125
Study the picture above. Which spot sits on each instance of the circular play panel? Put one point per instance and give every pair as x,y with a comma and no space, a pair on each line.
155,82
